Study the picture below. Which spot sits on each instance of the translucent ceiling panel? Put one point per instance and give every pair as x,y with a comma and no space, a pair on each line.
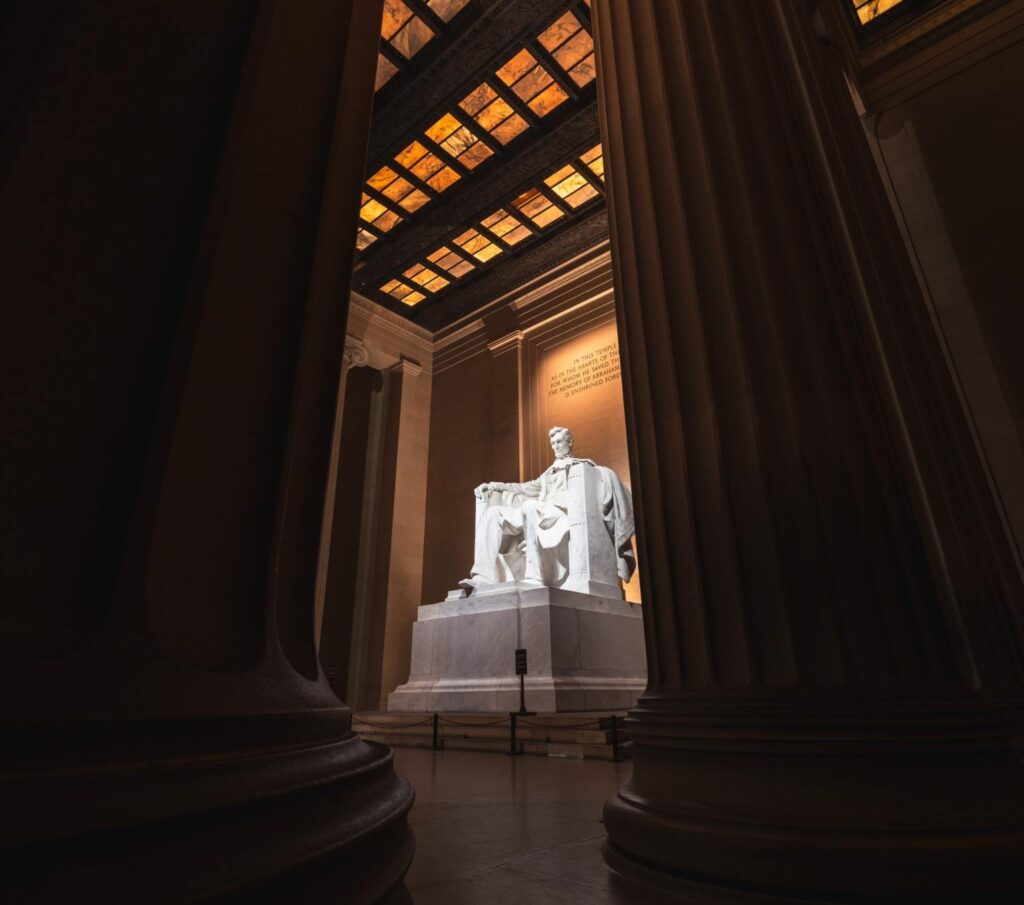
377,214
536,206
412,37
459,141
425,277
396,14
427,166
385,69
447,9
449,261
867,10
594,158
493,114
532,83
572,47
480,247
506,227
571,185
405,294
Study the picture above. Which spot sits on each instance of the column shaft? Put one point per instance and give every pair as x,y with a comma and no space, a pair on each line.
185,186
824,569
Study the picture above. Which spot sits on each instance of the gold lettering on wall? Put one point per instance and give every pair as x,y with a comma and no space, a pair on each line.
587,371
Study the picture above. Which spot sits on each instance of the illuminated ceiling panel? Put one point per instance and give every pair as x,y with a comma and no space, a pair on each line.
459,141
868,10
536,206
431,280
364,238
571,46
554,199
378,215
479,246
493,113
506,227
450,262
571,186
531,71
405,294
406,32
594,159
532,83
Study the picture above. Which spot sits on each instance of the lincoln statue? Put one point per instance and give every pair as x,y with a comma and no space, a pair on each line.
523,530
551,557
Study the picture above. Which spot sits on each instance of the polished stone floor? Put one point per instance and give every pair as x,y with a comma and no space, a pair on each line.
492,829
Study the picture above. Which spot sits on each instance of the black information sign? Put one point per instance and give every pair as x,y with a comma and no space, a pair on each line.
520,661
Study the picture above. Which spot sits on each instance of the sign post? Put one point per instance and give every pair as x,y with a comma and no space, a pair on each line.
521,672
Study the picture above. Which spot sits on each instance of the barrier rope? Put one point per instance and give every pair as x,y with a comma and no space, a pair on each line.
522,721
595,724
501,722
366,722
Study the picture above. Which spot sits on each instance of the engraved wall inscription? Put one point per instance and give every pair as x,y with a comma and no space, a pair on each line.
587,371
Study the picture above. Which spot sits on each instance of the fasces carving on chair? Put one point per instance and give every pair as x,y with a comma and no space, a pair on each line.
571,528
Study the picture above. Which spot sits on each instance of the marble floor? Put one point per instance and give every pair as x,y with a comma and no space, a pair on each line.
492,829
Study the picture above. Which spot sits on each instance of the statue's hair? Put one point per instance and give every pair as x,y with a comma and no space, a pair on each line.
561,430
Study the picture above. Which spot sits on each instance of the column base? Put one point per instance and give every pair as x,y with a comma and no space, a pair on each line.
764,802
292,806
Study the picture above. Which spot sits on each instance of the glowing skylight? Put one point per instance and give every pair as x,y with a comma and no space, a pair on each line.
572,47
594,159
867,10
532,83
571,186
536,206
506,227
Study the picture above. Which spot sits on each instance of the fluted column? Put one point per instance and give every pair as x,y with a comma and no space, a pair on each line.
182,184
832,611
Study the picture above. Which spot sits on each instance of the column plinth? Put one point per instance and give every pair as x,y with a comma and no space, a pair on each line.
832,610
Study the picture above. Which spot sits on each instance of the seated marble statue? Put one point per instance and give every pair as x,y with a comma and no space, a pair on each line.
523,530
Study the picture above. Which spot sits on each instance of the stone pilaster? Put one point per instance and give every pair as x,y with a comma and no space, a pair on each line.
507,456
355,355
411,419
832,611
202,172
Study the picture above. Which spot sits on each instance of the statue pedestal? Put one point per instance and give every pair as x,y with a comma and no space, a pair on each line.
584,653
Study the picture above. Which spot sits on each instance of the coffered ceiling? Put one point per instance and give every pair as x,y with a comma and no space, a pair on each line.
485,164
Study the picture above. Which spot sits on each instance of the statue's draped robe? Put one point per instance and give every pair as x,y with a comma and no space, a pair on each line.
524,531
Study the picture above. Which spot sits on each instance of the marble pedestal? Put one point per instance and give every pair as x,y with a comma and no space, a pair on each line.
585,652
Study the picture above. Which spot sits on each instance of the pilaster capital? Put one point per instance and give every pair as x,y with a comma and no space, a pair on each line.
407,367
355,354
509,342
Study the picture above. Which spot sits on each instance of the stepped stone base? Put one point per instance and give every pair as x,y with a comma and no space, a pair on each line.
585,653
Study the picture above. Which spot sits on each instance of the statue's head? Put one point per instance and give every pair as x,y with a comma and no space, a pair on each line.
561,441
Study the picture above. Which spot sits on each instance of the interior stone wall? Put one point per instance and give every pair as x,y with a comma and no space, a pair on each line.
949,152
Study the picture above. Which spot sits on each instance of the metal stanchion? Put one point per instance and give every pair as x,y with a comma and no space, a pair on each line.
436,745
616,754
513,748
